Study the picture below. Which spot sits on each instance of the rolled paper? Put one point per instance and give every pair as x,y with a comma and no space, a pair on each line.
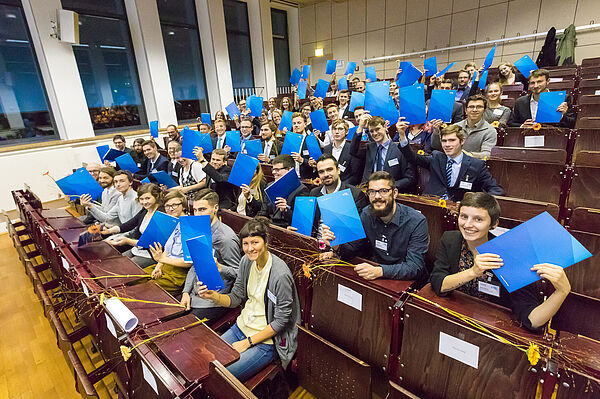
121,314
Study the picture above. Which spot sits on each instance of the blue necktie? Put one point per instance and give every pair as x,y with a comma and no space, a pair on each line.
449,171
379,164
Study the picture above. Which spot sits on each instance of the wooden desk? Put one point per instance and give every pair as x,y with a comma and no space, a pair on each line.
582,380
55,213
69,222
115,266
94,251
71,236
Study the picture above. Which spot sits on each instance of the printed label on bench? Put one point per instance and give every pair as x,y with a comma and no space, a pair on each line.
349,297
149,377
534,141
459,350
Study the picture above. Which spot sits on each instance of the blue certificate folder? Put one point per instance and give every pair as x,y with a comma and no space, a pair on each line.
539,240
159,230
409,74
304,214
286,121
339,213
441,104
443,71
254,148
233,110
330,67
302,86
284,186
192,139
319,120
255,105
321,89
243,169
357,100
206,118
154,129
204,262
233,140
305,71
295,78
430,65
291,143
548,102
126,162
108,154
162,177
525,65
412,103
350,68
313,147
489,58
102,150
79,183
371,74
343,83
193,226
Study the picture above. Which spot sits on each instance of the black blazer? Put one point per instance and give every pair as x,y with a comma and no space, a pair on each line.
360,199
306,171
351,167
275,148
217,180
162,163
174,171
472,170
347,113
284,219
522,301
521,112
395,163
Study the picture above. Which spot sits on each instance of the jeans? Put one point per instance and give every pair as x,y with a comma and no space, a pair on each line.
252,360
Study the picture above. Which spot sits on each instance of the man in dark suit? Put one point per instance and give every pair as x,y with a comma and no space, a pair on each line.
218,141
154,160
382,154
525,109
344,99
270,145
350,167
217,174
305,165
452,173
174,167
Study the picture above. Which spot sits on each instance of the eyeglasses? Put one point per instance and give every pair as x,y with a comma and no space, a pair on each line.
277,169
173,206
382,192
475,107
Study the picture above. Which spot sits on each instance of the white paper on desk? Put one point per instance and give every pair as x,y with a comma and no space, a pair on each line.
149,377
121,313
110,325
597,93
349,297
85,289
459,350
65,263
534,141
498,231
556,80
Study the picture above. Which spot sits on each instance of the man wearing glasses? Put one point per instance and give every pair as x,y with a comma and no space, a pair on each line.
397,236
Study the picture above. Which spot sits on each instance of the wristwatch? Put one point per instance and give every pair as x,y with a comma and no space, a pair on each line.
250,341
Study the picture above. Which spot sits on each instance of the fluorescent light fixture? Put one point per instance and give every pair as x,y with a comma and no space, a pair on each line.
16,41
319,52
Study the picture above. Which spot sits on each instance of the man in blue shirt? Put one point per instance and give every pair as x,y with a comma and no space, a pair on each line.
397,236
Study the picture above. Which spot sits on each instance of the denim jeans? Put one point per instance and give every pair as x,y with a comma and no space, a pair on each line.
252,360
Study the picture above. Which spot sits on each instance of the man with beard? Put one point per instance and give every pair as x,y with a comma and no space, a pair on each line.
110,195
397,236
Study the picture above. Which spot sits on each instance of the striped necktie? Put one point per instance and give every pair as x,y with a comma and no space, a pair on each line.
449,171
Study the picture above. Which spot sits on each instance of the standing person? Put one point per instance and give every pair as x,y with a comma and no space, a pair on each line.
268,323
463,87
305,165
344,110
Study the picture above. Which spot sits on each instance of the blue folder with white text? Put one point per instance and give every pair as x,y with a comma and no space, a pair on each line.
159,230
283,187
193,226
126,162
204,262
547,105
304,214
79,183
243,169
339,213
291,143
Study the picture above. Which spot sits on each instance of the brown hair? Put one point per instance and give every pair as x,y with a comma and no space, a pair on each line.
126,173
257,227
540,72
109,170
332,105
152,189
220,151
382,175
176,194
208,195
478,97
151,143
271,125
482,200
453,129
376,120
342,122
299,115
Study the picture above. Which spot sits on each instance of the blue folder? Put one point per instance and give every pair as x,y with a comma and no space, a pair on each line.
318,120
371,74
204,262
79,183
350,68
284,186
126,162
291,143
145,180
102,150
295,77
206,118
304,214
376,96
548,102
113,154
351,132
233,140
356,100
430,65
191,139
412,103
305,71
193,226
330,67
255,105
525,65
321,89
254,148
489,58
389,112
409,74
159,229
302,86
483,80
313,147
233,110
343,83
286,121
162,177
539,240
443,71
441,104
154,129
206,143
339,213
243,170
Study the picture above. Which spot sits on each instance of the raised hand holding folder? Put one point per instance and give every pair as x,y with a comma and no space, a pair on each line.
412,103
159,229
313,147
343,83
371,74
339,213
233,110
193,226
430,65
243,170
80,183
154,129
255,105
162,177
330,67
443,71
102,150
350,68
302,86
295,77
441,104
489,58
547,105
291,143
286,121
525,65
206,118
304,214
409,74
254,148
356,100
483,79
233,140
126,162
319,120
192,139
204,262
283,187
111,155
305,71
539,240
321,89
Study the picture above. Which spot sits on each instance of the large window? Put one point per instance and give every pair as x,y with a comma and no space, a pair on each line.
107,66
179,26
24,112
238,43
281,48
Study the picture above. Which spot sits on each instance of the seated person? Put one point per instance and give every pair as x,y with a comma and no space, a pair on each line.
149,195
219,141
271,147
480,135
191,177
525,109
416,134
246,133
170,270
174,167
138,152
226,246
110,195
124,209
252,201
121,145
509,75
217,174
154,160
94,169
458,113
463,86
452,172
495,112
280,213
173,133
304,166
350,167
397,236
270,313
459,266
344,108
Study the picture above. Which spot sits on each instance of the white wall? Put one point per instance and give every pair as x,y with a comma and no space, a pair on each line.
357,29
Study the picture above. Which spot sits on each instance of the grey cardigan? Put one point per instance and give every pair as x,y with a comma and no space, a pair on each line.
281,300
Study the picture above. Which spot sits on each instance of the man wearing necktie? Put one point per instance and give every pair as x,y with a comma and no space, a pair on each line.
220,130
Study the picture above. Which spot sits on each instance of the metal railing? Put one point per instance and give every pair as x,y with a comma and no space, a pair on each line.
240,93
284,90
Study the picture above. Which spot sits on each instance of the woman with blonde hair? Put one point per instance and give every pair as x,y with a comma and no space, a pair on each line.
509,75
495,112
251,200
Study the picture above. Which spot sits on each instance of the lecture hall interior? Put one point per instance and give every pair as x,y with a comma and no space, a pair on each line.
354,199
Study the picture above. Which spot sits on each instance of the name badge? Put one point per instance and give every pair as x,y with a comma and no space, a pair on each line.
342,168
381,245
272,297
139,165
175,174
498,111
272,156
489,289
465,184
393,162
305,152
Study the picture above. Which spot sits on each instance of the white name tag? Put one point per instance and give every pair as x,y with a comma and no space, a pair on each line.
149,377
65,264
504,96
381,245
110,325
489,289
465,185
597,93
498,231
52,244
85,289
349,297
139,165
498,111
342,168
598,77
556,80
272,297
393,162
175,174
459,350
305,152
534,141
